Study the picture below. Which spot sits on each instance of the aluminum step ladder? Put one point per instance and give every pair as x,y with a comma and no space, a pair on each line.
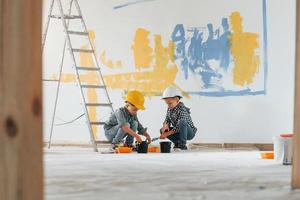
65,19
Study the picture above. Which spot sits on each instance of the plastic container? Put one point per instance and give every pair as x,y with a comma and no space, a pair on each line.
123,150
287,148
142,147
165,147
267,155
283,149
153,149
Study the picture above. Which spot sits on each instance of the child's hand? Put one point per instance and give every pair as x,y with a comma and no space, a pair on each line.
163,136
138,139
148,139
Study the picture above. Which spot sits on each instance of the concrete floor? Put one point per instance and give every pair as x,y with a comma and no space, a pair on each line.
81,174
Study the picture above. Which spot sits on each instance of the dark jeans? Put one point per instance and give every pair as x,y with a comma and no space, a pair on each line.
185,133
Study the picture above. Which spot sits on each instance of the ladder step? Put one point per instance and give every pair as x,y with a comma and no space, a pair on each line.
97,123
78,33
88,68
99,104
66,16
93,86
83,50
102,142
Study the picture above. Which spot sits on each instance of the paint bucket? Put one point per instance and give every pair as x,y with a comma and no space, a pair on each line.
165,147
142,147
287,148
283,149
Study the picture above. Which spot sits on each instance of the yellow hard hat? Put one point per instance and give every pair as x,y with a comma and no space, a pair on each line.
136,98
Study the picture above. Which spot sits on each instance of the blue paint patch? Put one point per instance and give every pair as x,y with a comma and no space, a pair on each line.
246,92
265,45
194,53
178,37
195,58
131,3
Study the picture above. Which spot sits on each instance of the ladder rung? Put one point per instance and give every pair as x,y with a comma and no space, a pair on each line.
93,86
88,68
102,142
99,104
66,16
97,123
83,50
78,33
50,80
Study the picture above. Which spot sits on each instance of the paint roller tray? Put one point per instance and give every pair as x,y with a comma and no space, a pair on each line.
123,150
267,155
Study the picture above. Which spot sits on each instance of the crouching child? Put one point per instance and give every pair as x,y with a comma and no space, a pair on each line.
178,125
124,124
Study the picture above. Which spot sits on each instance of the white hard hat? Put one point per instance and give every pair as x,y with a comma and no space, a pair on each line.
170,92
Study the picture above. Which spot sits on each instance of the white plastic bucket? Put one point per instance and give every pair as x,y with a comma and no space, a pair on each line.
278,149
283,150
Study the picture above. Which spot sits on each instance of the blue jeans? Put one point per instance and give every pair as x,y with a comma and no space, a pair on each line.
185,133
116,134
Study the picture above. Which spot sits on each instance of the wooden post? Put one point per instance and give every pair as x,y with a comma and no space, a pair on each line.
21,151
296,137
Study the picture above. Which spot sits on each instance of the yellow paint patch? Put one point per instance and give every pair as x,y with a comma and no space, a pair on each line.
141,49
243,47
91,78
109,63
92,98
161,74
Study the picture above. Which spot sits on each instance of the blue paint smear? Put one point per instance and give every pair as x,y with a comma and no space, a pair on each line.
130,3
200,52
194,55
246,92
265,45
178,37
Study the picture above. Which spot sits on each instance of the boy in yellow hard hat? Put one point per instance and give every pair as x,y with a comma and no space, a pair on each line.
123,123
178,125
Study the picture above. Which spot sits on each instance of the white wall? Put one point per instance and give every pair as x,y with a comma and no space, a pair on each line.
242,119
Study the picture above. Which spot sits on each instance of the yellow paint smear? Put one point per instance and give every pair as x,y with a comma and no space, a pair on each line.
152,82
109,63
141,49
243,50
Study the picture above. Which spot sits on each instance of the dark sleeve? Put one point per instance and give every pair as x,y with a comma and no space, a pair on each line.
168,119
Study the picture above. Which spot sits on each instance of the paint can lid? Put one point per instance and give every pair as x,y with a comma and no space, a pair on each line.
286,135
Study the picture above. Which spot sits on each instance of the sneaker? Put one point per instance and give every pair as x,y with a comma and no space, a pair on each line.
176,145
114,146
179,147
183,147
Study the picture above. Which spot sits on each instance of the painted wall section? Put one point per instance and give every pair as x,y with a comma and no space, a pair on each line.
236,73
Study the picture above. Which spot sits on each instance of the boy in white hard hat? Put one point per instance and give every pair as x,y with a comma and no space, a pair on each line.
124,122
178,125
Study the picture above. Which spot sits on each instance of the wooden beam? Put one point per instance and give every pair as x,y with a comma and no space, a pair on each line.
21,151
296,137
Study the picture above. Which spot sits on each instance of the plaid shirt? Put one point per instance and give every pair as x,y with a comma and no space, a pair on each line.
180,112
